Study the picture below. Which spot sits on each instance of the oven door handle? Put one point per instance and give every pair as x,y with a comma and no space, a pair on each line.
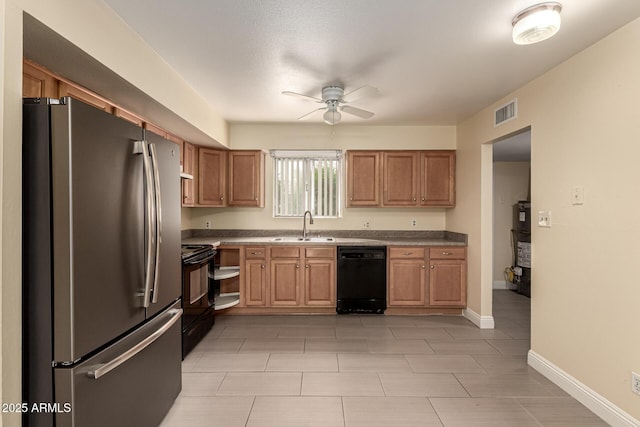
200,259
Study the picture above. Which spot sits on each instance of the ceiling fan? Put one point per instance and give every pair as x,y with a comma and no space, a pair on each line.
335,99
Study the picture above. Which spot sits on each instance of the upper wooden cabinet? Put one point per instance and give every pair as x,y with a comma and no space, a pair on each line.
363,178
37,83
437,178
402,178
212,173
187,159
236,173
79,93
246,178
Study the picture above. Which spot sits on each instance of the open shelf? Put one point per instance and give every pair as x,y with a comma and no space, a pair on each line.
227,300
226,272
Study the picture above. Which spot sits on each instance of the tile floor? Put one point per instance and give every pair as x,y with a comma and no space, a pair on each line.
360,370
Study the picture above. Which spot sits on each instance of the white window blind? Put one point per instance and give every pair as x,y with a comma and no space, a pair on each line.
306,180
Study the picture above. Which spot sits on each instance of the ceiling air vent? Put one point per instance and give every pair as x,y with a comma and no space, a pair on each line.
505,113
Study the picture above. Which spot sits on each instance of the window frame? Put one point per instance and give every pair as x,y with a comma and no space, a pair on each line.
307,157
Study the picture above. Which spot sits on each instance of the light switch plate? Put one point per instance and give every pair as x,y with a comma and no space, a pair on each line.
577,196
544,218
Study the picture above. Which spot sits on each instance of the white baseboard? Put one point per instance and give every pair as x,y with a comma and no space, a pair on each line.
503,284
583,394
500,284
483,322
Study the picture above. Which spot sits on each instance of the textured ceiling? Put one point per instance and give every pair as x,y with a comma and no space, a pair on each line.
434,62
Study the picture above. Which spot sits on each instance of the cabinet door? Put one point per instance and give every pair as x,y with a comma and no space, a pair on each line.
400,178
407,282
246,178
437,179
363,178
37,83
448,283
212,170
255,282
285,282
188,185
320,282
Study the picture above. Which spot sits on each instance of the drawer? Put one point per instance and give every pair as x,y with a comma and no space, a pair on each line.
447,253
407,252
325,252
255,252
285,252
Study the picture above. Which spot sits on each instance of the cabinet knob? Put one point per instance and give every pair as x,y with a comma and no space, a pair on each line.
256,253
407,253
306,266
446,253
297,265
423,267
433,266
414,199
423,199
263,266
221,198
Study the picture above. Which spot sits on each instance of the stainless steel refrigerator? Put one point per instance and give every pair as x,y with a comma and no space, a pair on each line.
101,269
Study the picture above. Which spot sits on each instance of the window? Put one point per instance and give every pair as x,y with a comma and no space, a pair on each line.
306,180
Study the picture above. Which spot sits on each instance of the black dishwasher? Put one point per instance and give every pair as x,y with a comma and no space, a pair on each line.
362,279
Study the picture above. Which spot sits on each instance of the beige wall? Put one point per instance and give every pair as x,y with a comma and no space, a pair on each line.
510,185
87,25
325,137
584,122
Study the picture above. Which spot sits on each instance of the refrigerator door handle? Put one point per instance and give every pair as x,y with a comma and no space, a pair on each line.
158,215
150,221
104,368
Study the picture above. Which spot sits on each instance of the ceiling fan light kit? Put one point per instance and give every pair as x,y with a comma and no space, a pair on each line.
334,97
332,115
536,23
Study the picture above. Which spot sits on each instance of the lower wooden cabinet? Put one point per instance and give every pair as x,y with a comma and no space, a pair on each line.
290,276
255,277
320,277
407,276
433,277
284,275
447,277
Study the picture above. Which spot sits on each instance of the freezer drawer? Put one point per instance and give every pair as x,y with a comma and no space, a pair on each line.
137,392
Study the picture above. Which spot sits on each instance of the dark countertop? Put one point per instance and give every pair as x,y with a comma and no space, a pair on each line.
325,237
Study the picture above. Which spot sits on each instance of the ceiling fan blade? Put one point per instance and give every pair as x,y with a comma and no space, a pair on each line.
311,113
363,114
362,92
299,95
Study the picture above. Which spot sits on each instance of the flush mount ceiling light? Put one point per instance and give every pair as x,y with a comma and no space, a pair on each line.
536,23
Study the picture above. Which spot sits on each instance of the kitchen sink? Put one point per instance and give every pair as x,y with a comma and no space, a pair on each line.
300,239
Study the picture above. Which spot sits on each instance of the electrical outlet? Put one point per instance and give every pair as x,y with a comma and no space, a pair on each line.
207,224
635,382
366,224
413,222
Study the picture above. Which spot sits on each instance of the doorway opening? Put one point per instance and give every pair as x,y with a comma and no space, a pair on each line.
511,232
512,213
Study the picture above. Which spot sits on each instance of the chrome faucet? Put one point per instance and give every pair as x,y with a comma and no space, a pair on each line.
304,223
